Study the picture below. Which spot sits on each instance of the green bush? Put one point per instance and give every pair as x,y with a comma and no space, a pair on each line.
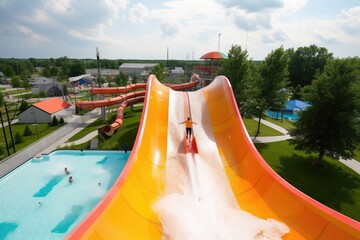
61,121
55,121
27,131
18,138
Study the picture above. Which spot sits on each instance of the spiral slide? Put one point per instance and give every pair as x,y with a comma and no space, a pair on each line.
127,210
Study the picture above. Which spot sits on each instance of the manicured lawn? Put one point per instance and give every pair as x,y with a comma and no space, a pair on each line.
336,186
44,129
98,123
251,126
357,154
126,134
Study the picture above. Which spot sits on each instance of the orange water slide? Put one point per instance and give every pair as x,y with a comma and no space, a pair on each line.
109,129
135,86
126,211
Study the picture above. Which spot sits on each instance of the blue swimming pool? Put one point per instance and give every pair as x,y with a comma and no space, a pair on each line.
38,202
292,116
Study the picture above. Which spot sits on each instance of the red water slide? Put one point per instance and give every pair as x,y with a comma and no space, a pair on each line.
128,95
128,98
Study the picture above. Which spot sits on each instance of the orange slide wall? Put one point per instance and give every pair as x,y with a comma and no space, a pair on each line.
126,212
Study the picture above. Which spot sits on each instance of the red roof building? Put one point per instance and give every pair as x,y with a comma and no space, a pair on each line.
44,111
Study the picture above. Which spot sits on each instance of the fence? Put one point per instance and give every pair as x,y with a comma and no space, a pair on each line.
20,157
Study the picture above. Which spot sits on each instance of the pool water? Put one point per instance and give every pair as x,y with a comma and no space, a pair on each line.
38,202
286,115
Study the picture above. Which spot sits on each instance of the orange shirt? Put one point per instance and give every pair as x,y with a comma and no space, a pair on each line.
188,123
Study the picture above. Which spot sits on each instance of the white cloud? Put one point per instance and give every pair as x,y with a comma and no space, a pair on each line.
275,36
138,13
349,21
169,28
58,6
96,35
116,6
252,5
251,21
27,32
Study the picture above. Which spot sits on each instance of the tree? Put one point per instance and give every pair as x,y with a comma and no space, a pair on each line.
23,106
55,121
121,79
270,86
237,69
331,125
76,68
15,82
158,71
305,62
296,92
2,100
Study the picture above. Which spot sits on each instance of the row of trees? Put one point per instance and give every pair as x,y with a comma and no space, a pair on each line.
331,125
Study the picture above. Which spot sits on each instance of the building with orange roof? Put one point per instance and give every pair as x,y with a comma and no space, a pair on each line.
44,111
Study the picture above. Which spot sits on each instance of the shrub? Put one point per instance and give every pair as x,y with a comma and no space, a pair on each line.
61,121
55,121
27,131
18,138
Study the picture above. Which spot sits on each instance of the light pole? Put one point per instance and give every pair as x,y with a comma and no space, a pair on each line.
3,128
36,125
219,42
9,123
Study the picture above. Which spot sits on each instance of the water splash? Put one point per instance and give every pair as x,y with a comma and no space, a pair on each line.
199,204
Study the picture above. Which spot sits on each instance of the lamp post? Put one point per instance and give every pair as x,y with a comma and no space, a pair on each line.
36,125
219,42
9,123
3,128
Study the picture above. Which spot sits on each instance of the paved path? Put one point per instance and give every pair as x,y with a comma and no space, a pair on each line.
84,139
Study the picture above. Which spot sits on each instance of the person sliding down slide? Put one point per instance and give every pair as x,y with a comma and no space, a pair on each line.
188,124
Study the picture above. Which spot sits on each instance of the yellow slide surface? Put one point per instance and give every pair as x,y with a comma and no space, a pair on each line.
127,212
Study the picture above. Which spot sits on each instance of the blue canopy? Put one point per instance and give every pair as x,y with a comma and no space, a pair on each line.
292,104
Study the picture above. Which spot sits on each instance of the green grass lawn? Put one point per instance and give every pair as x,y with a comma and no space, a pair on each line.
357,154
251,126
43,128
126,134
336,185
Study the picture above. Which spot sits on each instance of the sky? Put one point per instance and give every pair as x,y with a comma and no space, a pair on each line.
174,29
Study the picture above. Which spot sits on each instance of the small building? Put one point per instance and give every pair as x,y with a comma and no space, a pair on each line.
86,79
44,111
50,86
109,73
137,69
4,80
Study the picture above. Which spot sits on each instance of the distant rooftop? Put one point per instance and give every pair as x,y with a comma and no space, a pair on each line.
137,65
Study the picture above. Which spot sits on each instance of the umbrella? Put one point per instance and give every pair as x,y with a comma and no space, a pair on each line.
213,55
